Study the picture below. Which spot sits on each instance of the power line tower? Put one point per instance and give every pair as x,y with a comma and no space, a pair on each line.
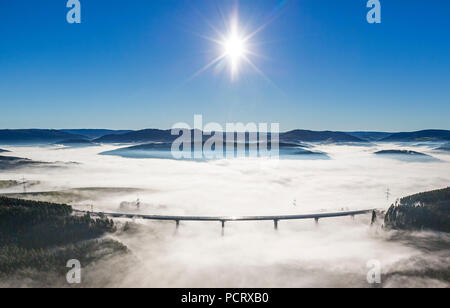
24,183
138,203
388,194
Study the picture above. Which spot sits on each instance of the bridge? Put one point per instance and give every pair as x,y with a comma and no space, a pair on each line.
224,219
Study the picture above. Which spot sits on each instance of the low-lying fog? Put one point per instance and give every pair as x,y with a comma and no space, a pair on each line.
299,254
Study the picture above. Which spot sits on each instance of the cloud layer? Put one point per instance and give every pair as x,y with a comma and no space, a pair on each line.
251,254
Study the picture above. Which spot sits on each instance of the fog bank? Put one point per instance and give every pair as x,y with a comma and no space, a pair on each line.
334,254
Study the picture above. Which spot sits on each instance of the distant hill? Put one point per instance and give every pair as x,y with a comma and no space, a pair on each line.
162,150
400,152
370,136
146,135
445,147
94,133
315,136
12,136
159,135
407,156
34,136
168,146
424,135
429,210
9,162
156,135
75,142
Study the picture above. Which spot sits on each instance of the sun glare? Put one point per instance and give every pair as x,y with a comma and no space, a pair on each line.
234,49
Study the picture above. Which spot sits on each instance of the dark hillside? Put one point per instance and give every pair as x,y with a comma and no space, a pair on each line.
44,236
428,210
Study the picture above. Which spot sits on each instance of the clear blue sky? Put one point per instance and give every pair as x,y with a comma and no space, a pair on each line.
128,65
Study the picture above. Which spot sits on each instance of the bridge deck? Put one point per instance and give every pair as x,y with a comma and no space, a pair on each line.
230,218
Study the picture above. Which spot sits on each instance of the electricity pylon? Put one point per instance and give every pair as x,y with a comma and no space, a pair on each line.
24,185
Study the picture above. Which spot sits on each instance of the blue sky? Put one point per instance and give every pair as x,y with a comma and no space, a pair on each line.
129,64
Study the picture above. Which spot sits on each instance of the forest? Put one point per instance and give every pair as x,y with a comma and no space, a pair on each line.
43,236
424,211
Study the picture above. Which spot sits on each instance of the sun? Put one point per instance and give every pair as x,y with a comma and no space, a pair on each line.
235,47
235,50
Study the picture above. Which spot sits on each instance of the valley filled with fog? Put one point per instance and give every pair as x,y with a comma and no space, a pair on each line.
250,254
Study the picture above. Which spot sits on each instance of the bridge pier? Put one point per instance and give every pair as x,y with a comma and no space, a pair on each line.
223,227
374,218
275,224
317,221
175,233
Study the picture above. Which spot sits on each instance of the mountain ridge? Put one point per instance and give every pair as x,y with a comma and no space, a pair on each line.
157,135
94,133
50,136
422,135
35,135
